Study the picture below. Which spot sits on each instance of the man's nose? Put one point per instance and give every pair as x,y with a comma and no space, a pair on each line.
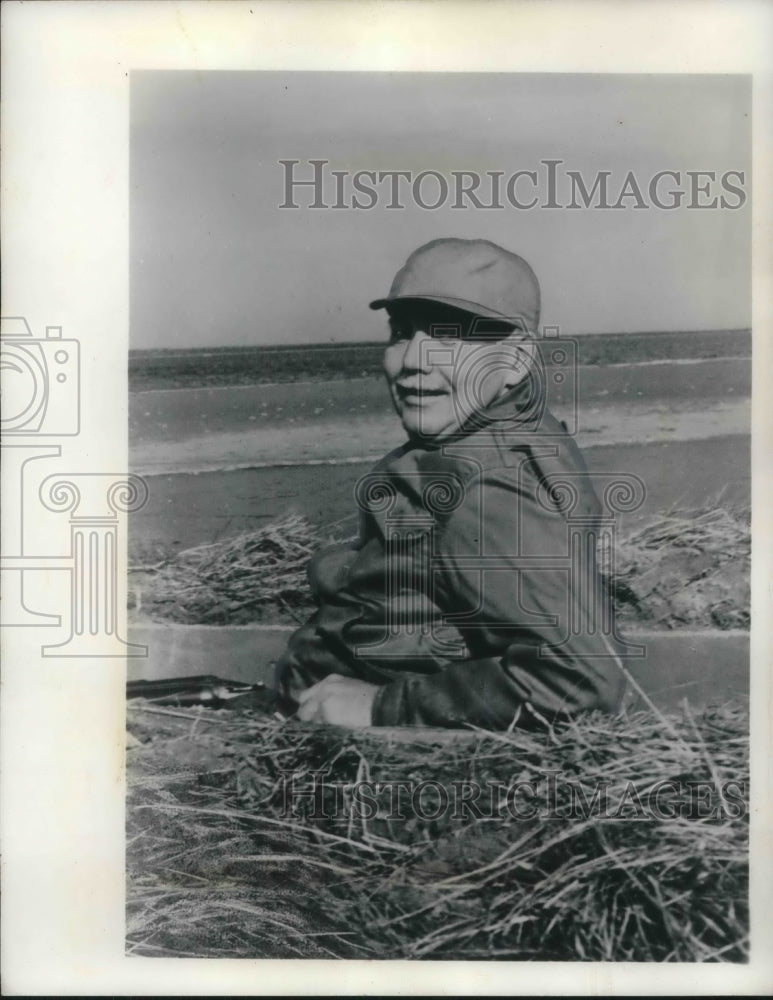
417,352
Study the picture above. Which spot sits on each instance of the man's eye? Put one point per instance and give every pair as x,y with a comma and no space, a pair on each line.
398,333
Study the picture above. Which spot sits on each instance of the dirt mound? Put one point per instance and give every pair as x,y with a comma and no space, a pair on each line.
686,569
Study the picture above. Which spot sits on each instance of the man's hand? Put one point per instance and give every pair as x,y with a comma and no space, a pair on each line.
341,701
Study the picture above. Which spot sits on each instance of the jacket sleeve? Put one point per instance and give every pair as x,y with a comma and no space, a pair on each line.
310,655
500,573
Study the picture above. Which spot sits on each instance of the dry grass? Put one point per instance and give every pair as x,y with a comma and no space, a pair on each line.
255,576
685,568
218,867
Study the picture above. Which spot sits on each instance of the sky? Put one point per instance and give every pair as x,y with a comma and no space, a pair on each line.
215,260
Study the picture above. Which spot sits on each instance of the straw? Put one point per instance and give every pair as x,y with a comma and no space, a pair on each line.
260,851
686,568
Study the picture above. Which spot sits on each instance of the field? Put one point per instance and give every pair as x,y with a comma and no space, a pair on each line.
167,369
217,865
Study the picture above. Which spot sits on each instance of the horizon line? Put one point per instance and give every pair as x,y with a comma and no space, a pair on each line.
338,344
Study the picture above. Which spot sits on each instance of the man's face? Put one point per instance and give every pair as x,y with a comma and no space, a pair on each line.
443,366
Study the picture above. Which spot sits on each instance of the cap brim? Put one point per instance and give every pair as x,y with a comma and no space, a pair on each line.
464,304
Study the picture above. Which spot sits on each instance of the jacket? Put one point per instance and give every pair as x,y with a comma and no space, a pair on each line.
473,595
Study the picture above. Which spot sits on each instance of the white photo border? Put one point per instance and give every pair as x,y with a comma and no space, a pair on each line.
65,222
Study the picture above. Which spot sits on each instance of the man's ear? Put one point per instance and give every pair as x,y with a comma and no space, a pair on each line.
524,351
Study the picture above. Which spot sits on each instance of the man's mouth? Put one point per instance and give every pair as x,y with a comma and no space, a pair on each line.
411,392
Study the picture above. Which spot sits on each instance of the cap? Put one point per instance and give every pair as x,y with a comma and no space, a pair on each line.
475,275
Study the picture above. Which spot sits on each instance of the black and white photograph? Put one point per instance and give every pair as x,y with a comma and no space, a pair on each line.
385,548
440,386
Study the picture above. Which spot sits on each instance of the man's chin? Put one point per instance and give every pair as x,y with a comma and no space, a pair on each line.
425,429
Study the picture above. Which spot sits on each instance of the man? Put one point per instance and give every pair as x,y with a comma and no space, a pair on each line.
454,607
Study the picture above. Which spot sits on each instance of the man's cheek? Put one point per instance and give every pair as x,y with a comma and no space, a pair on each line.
459,403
